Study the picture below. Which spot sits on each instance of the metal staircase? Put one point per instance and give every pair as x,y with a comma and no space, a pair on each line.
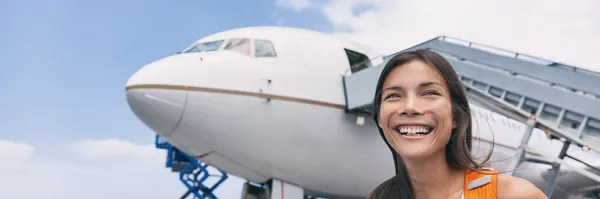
192,173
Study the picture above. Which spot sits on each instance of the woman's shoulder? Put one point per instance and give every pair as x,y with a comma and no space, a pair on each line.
514,187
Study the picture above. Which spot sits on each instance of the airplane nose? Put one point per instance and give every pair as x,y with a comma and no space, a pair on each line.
159,109
157,96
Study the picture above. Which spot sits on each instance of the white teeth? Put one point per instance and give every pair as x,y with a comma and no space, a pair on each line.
414,131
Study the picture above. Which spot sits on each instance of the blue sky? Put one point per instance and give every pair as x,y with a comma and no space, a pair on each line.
65,64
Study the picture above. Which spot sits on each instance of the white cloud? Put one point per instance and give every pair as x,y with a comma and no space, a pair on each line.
109,168
18,156
296,5
561,31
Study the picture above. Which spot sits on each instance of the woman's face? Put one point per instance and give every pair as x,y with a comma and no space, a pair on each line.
416,111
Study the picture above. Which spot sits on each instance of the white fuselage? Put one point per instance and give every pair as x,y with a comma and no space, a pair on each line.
279,117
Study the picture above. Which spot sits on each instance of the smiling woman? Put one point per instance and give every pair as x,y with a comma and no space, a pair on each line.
424,116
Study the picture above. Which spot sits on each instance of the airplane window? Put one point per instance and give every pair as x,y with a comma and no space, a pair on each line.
239,45
206,46
264,48
357,61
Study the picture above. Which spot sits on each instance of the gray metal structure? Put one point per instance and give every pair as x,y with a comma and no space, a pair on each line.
565,100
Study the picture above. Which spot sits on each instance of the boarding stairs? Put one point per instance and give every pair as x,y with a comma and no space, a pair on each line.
562,100
192,173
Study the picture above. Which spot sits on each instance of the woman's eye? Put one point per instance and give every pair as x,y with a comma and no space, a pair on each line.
391,95
431,93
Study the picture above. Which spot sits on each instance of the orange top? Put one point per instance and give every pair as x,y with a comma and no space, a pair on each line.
480,184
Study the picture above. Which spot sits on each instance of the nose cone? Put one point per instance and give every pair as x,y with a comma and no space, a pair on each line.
156,94
159,109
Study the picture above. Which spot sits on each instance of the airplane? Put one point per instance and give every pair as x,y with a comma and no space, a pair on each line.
268,103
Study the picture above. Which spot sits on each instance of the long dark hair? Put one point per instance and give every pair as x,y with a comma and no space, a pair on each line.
458,149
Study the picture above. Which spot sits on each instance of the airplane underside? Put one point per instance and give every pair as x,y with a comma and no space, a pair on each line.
347,158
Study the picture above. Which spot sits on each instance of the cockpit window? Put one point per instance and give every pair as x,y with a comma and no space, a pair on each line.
264,48
239,45
206,46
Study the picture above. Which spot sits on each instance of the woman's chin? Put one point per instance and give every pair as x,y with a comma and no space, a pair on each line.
415,155
416,152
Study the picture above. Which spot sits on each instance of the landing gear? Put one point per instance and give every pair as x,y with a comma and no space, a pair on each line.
255,191
281,190
273,189
192,173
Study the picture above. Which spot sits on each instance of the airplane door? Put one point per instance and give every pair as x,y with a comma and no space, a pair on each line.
357,61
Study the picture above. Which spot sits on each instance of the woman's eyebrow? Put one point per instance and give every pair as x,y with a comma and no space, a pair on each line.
426,84
422,85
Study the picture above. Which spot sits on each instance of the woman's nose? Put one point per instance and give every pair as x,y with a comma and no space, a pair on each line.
410,107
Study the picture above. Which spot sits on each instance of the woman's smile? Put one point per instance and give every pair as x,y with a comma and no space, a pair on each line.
413,131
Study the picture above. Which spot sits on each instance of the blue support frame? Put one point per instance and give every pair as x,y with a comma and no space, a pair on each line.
193,174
